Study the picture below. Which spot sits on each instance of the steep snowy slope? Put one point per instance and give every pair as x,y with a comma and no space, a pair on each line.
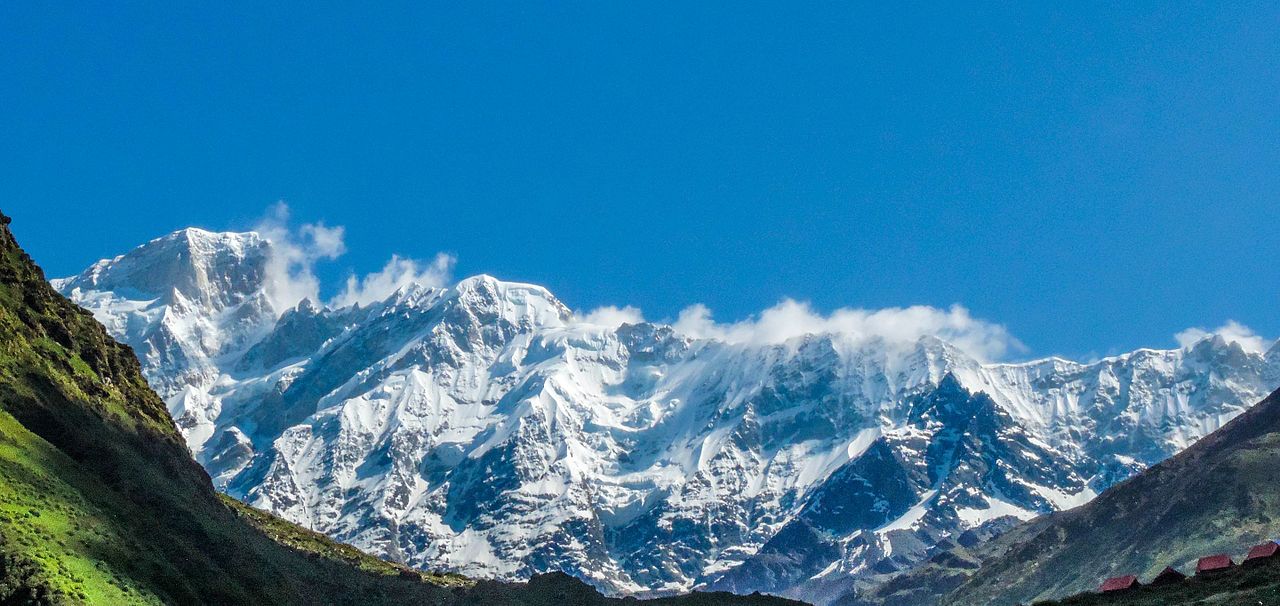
484,428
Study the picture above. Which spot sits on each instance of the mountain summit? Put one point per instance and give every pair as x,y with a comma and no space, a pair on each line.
214,270
483,428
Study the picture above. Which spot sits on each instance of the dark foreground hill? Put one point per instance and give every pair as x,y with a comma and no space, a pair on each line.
101,503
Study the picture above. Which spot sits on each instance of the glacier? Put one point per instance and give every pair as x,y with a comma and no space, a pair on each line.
484,428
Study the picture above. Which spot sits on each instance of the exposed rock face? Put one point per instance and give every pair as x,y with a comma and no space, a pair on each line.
482,428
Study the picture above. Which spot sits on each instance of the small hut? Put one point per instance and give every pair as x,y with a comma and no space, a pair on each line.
1262,553
1123,583
1214,563
1168,576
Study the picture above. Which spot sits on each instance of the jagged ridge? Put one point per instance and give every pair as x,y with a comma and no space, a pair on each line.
482,428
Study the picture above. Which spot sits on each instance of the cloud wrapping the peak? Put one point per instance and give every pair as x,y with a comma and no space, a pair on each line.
324,242
1232,332
396,274
612,316
291,278
290,271
789,319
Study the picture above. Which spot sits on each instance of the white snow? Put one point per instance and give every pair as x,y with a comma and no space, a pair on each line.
466,428
996,508
912,517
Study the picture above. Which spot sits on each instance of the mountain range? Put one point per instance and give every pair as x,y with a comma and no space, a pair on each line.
484,428
102,503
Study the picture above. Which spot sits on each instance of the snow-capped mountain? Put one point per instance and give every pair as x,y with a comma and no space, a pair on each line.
485,429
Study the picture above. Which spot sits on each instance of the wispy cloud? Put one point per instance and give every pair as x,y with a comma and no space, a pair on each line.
396,274
789,319
290,271
291,277
612,316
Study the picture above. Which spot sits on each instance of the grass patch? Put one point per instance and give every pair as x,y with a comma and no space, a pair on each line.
48,525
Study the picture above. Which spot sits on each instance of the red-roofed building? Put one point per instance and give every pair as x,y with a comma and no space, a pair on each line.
1262,552
1119,584
1168,576
1214,563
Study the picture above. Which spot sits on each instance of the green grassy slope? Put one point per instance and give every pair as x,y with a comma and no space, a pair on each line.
1221,495
100,501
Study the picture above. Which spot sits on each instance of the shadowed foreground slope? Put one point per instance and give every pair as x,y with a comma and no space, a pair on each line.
101,503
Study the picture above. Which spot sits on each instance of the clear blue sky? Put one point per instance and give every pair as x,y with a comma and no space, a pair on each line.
1094,177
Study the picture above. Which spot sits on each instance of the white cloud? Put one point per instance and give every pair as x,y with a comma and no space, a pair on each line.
1232,332
396,274
291,278
290,270
612,316
324,242
789,319
294,253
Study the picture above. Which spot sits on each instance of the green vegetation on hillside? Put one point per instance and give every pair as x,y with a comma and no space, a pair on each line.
311,542
56,543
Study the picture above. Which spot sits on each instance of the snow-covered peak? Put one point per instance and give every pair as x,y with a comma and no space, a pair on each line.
182,301
215,269
526,305
1216,348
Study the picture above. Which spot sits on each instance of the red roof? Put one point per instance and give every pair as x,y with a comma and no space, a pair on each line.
1214,562
1119,583
1264,550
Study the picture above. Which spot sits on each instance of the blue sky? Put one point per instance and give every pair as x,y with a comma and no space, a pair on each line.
1093,177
